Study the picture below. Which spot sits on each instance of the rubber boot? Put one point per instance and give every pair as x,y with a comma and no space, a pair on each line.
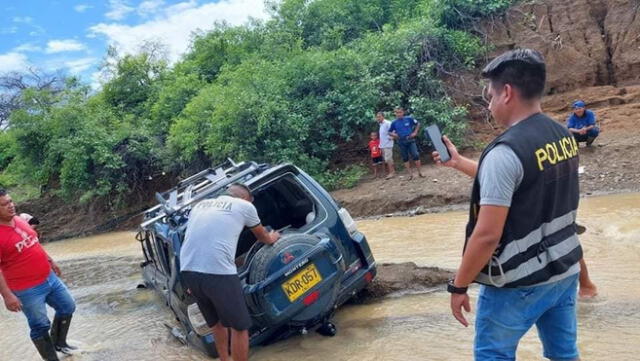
59,330
45,348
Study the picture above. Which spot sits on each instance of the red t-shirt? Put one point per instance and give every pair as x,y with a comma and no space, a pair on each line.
23,261
374,147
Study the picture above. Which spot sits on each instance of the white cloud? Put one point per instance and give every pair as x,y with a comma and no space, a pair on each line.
174,26
150,7
180,7
22,19
79,65
57,46
26,47
9,30
82,7
13,61
118,9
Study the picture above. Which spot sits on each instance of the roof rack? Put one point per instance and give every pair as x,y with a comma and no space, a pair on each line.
198,187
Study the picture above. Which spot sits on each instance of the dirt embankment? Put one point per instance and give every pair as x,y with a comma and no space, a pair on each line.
585,42
402,278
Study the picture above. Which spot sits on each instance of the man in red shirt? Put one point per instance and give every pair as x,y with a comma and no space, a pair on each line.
29,281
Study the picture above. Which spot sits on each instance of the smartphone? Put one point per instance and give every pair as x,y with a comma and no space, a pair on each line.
433,132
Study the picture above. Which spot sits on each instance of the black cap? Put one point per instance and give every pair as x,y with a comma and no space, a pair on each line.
526,56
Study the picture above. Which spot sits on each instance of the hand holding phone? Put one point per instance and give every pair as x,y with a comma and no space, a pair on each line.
433,132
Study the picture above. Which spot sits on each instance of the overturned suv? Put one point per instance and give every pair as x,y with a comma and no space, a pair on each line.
320,261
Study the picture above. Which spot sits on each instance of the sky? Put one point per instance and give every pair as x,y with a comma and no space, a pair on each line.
73,35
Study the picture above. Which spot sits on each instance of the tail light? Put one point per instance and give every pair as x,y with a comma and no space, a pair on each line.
368,277
311,298
348,221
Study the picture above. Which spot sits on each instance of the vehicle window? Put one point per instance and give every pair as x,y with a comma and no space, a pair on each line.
281,204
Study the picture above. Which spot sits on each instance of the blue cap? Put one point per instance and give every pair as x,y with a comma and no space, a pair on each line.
578,104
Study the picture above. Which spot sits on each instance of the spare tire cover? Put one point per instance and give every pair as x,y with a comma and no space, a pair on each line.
288,250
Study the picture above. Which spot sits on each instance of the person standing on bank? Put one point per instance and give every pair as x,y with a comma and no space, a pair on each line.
29,281
208,268
405,130
386,144
521,243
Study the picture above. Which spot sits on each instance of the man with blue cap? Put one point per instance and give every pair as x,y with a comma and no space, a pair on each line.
582,124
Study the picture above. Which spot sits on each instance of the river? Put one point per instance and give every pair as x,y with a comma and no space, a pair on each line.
117,321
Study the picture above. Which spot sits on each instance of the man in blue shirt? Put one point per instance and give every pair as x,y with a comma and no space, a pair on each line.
404,130
582,124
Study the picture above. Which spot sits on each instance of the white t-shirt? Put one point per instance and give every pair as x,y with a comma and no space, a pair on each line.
212,234
385,140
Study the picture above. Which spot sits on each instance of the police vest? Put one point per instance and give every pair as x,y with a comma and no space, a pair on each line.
539,243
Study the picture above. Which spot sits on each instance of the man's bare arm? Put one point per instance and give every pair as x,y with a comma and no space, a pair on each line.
483,242
415,131
10,300
263,236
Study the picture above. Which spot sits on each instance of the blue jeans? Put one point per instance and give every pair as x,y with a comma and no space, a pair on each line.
34,300
408,148
504,315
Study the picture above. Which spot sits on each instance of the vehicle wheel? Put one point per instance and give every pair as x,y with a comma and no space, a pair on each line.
327,329
265,255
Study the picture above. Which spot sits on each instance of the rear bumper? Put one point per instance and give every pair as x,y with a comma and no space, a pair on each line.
356,283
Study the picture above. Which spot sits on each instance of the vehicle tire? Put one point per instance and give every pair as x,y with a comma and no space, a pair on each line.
264,256
263,265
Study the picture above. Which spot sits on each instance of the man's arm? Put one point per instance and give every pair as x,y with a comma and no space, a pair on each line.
263,236
483,242
591,121
392,131
499,177
54,266
457,161
571,125
415,131
10,300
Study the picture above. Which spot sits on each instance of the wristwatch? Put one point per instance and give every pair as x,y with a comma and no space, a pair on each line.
453,289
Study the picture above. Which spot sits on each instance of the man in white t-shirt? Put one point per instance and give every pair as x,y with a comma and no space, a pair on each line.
386,144
207,265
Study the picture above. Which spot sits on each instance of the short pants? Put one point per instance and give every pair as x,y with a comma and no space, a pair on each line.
408,148
220,299
387,154
377,160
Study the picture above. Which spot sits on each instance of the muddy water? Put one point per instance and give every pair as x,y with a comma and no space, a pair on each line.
116,321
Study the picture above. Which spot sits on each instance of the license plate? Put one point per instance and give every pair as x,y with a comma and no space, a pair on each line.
301,282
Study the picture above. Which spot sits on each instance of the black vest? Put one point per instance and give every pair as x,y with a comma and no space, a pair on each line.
539,242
